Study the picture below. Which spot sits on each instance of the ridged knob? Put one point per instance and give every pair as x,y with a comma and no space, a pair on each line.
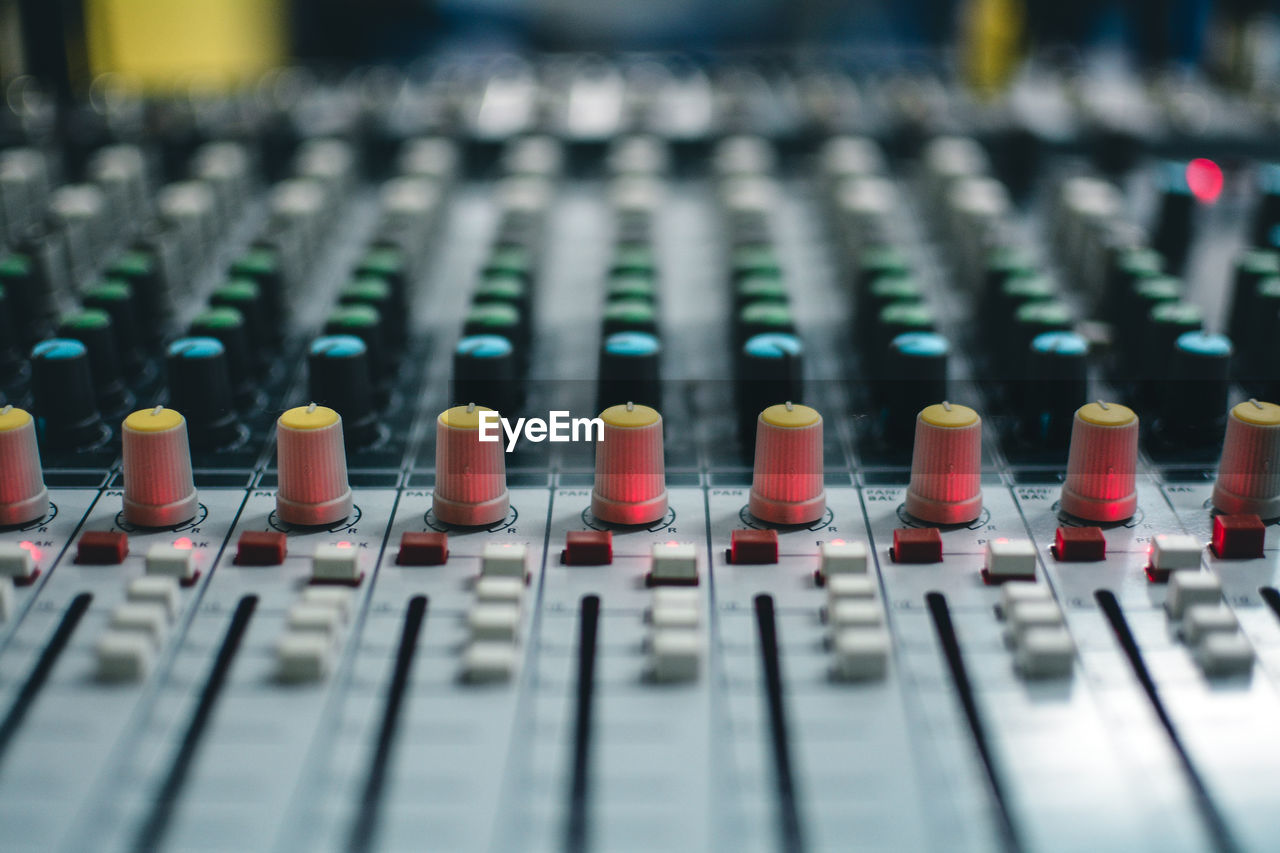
159,490
471,475
787,485
1249,473
312,464
631,482
23,496
946,465
1102,463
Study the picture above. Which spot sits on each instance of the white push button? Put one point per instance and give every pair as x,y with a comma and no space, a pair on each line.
171,562
860,654
1173,551
1225,654
1200,620
1190,587
494,622
336,563
124,656
16,562
149,620
1015,592
499,590
840,587
155,589
854,613
674,655
674,561
843,558
1045,653
6,598
1028,616
1011,558
488,662
304,656
334,597
504,560
317,618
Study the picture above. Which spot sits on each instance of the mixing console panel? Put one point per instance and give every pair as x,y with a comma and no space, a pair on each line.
918,490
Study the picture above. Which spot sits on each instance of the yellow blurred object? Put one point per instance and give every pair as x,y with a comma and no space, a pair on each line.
991,43
167,44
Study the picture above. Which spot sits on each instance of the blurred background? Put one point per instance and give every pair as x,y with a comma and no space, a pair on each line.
162,44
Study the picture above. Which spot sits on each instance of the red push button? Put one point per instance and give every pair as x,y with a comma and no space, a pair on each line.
102,548
1238,537
753,547
916,545
587,548
1079,545
261,548
423,549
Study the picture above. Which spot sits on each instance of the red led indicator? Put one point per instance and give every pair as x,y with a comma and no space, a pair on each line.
1204,177
184,543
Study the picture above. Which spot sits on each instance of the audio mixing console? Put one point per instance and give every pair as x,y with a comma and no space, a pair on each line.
917,489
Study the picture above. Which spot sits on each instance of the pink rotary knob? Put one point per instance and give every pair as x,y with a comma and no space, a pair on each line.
631,481
1249,473
312,464
1102,464
23,496
471,475
787,486
159,490
946,465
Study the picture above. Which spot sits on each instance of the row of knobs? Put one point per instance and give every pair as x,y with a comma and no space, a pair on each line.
630,482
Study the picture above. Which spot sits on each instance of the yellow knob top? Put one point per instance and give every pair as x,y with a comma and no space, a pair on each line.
463,417
949,415
309,417
790,416
630,416
1106,414
1258,413
158,419
12,417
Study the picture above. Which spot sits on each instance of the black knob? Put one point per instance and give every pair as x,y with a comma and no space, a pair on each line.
1193,406
896,318
1172,235
30,294
62,385
245,296
1126,265
1266,217
762,318
1165,323
376,293
152,300
339,377
1252,268
769,370
92,328
227,326
915,376
485,373
629,315
264,266
115,297
504,320
10,356
365,323
630,369
200,388
1057,384
882,292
